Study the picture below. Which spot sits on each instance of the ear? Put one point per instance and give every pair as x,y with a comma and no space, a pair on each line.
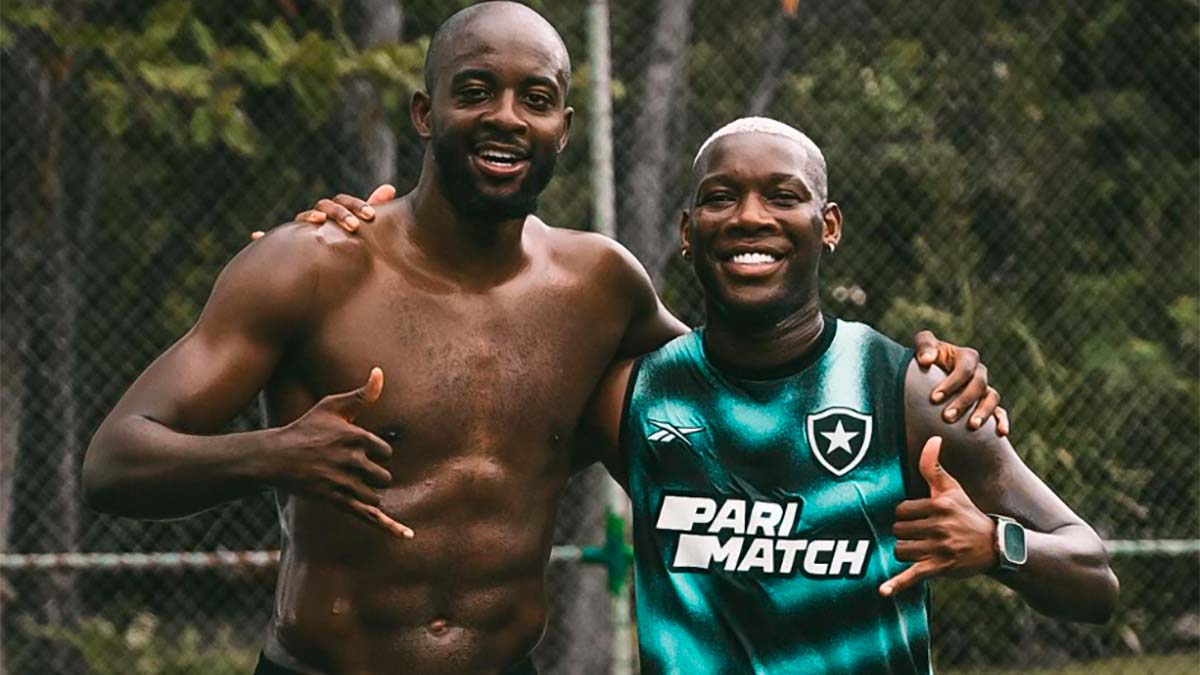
568,115
831,224
685,245
420,112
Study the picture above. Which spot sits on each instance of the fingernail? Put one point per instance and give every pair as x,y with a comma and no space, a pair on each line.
951,414
928,354
977,421
367,212
937,396
409,534
257,234
886,590
352,222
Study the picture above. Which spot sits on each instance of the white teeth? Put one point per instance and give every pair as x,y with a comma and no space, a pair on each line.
754,258
499,157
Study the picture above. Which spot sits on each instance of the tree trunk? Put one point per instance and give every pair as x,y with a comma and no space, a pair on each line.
41,439
371,157
647,222
13,343
773,55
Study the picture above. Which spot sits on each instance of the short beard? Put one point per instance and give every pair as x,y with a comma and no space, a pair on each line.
458,182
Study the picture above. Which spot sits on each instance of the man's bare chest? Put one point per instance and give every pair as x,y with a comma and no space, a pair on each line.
523,359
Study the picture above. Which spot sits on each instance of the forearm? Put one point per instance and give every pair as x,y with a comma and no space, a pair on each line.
140,468
1066,575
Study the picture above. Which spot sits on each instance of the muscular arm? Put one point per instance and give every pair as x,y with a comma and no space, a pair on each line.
1067,572
650,324
599,434
156,455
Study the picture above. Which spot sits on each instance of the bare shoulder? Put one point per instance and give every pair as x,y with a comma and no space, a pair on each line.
614,276
596,257
325,254
288,272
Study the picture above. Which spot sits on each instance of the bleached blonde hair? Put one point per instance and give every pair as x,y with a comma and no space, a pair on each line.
814,169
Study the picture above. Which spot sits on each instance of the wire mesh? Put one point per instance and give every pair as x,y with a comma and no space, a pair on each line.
1020,177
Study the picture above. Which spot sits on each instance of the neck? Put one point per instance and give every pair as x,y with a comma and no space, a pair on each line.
481,250
731,339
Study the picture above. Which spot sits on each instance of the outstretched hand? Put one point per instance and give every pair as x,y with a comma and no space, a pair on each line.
967,377
328,457
944,535
348,212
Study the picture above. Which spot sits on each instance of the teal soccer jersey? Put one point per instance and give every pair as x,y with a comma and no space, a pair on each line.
763,508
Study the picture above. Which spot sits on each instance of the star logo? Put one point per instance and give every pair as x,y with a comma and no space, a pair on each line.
839,438
666,432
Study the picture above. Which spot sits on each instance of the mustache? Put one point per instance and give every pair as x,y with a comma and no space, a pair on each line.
501,139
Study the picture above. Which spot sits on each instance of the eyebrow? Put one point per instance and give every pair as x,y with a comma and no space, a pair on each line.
782,177
777,177
772,178
543,81
490,77
473,74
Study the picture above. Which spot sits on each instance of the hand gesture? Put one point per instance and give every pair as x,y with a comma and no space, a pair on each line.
944,535
348,212
967,376
324,455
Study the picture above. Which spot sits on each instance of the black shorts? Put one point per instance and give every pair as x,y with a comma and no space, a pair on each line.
269,667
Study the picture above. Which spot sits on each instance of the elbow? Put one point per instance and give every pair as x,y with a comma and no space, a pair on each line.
1103,590
99,477
1094,602
1085,588
1107,595
1107,587
94,492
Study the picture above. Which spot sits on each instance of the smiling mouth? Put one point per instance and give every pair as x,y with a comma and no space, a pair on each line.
500,163
750,264
754,258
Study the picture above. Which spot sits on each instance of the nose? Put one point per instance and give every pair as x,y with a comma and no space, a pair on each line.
505,114
752,217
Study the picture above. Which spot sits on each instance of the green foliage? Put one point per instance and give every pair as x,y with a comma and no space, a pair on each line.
141,648
178,80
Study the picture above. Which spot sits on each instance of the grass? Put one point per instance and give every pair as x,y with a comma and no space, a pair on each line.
1182,664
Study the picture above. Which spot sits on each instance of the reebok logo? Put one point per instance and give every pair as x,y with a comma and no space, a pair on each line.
665,432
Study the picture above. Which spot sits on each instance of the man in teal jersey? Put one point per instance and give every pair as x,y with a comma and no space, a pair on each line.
785,465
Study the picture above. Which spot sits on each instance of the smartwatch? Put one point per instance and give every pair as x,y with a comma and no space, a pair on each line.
1011,551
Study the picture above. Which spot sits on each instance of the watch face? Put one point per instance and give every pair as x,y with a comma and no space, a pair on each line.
1014,543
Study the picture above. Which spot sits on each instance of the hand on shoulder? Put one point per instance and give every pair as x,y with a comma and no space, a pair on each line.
346,211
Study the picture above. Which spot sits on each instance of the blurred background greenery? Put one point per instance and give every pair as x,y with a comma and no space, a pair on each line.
1018,176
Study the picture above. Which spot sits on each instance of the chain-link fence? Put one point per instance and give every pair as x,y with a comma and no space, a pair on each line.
1017,176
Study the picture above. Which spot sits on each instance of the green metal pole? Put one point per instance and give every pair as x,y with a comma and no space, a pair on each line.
615,553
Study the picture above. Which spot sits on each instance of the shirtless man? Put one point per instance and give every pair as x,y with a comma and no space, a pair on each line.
492,328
